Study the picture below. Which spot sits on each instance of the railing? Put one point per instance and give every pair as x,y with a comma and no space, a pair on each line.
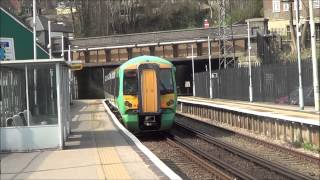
271,83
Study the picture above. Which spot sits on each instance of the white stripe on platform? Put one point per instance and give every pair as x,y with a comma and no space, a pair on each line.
315,122
163,167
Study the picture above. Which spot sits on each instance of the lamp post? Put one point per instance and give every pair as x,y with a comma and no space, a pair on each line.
36,108
34,30
249,57
314,59
301,101
193,81
210,77
50,44
298,33
62,46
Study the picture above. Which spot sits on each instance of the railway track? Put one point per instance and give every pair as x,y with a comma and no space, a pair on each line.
283,149
281,162
178,158
183,161
207,152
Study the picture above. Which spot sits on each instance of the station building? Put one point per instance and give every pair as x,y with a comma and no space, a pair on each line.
34,94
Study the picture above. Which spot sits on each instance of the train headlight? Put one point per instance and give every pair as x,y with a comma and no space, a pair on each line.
127,103
170,102
167,100
130,102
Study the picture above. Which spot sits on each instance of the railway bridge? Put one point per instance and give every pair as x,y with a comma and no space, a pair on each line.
175,45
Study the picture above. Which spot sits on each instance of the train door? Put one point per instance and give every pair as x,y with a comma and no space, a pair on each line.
149,90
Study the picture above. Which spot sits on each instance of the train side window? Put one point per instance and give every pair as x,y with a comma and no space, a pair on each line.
117,86
113,86
111,89
166,81
109,86
130,83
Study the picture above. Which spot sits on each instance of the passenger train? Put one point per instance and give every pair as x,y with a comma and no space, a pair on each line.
143,90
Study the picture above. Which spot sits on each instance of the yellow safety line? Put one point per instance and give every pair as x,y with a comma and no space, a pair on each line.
109,161
100,171
112,165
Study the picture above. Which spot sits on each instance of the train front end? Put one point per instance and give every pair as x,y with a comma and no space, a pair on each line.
149,96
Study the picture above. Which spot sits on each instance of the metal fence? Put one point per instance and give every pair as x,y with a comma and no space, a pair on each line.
268,49
202,84
12,92
271,83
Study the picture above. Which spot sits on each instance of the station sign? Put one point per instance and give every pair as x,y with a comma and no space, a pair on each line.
75,65
7,51
187,84
214,75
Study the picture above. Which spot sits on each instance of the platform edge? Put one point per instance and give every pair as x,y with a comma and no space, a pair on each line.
154,159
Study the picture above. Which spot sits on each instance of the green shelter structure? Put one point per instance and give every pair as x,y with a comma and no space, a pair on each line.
16,39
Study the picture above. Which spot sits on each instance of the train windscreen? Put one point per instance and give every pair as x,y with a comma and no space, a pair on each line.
130,85
166,82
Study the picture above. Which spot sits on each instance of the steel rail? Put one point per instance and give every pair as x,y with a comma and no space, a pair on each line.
262,162
219,175
214,160
298,154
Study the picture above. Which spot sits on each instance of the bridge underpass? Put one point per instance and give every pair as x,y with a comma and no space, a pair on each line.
90,78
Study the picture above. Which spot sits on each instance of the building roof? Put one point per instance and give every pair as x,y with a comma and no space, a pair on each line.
42,25
239,30
23,25
256,19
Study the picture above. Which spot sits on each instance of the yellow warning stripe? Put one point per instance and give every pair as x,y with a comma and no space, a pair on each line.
111,164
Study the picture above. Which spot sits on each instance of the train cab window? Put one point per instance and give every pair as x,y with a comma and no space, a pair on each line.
166,82
130,83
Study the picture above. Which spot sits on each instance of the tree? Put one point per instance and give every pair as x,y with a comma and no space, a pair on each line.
292,30
306,16
246,9
107,17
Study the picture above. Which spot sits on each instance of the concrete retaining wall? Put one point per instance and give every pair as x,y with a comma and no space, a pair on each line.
273,128
18,139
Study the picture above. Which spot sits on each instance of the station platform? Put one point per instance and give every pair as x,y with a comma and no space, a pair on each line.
278,111
96,149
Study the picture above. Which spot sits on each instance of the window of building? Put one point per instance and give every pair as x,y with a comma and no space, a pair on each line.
28,10
316,3
318,31
288,33
285,6
276,5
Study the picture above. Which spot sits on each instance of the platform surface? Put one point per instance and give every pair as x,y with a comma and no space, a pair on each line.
289,111
95,150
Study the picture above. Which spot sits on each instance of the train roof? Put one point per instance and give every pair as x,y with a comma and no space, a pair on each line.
142,59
